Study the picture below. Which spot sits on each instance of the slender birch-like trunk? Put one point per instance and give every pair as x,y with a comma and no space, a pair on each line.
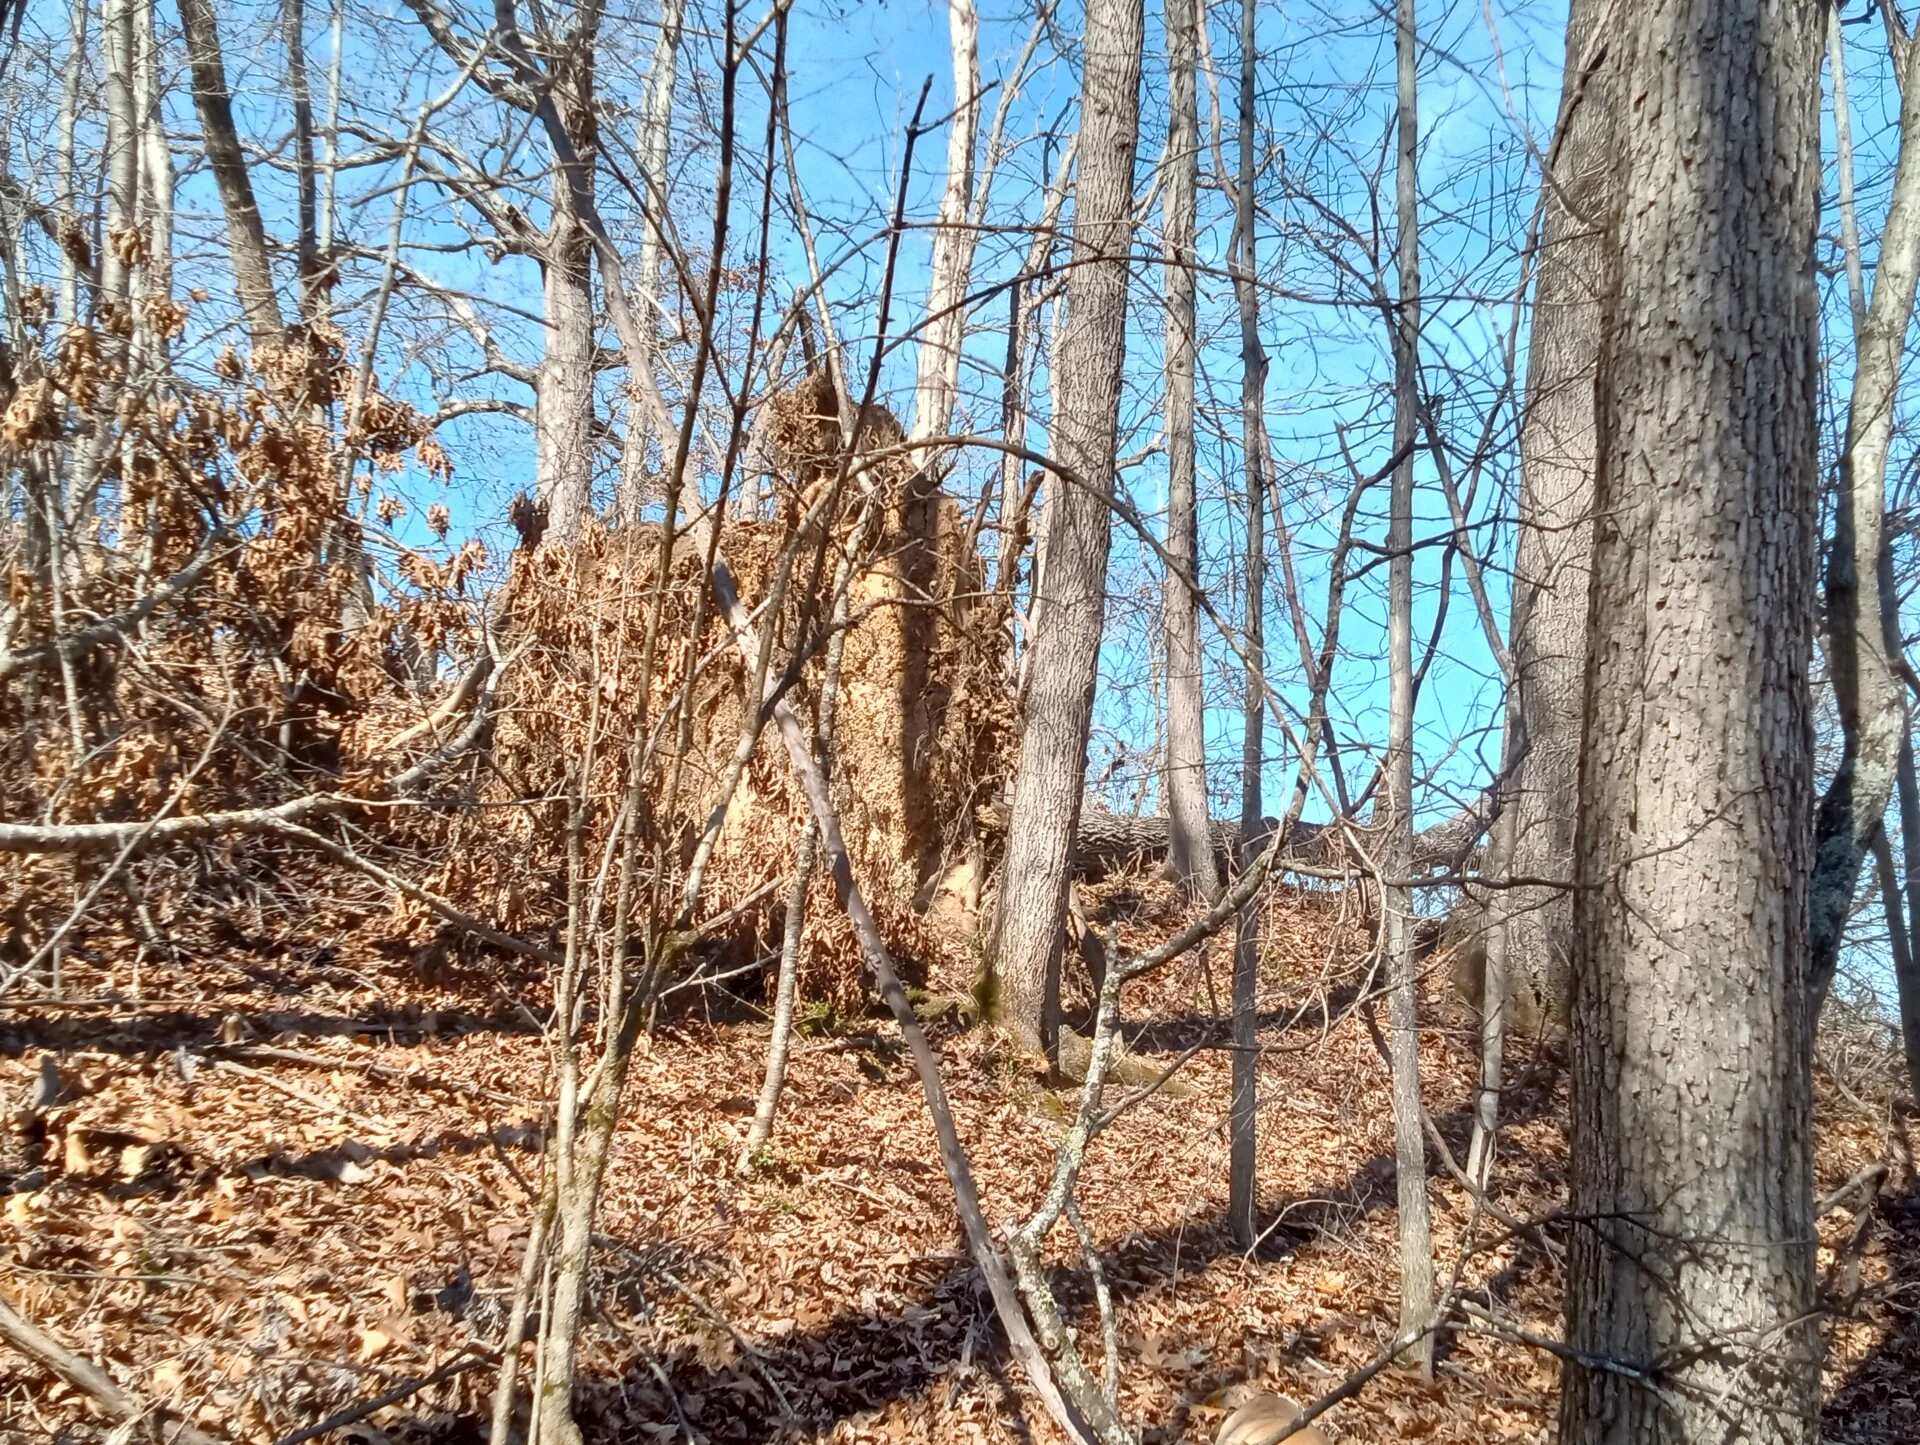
69,203
944,333
1189,840
655,141
122,151
1397,934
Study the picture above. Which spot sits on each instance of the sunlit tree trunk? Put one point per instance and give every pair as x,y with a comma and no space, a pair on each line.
944,334
305,179
69,193
246,236
1189,842
1403,1038
1691,1312
1554,546
1064,656
123,150
1867,694
563,409
655,140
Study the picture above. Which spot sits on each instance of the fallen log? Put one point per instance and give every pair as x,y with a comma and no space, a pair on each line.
1105,842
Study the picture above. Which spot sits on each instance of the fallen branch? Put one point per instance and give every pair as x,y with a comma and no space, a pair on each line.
394,1396
81,1373
413,1077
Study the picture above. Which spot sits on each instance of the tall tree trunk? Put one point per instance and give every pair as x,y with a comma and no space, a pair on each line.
944,334
246,237
655,140
1190,845
1554,548
563,409
1867,694
1409,1139
1058,708
1243,1107
1692,1261
293,16
156,159
122,149
68,184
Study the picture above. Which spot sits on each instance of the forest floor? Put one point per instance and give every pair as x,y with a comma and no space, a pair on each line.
286,1184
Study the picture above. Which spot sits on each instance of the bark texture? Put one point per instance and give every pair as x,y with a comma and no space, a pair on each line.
1190,851
1553,555
563,413
1058,705
246,236
1692,1262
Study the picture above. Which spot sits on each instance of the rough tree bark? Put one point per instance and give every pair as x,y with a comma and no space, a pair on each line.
563,408
1691,1314
1554,547
1397,916
1058,707
1867,693
1190,851
246,236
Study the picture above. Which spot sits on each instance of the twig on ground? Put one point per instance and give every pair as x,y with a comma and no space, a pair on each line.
353,1413
81,1373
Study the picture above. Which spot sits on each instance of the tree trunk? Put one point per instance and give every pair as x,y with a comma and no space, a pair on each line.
656,137
1190,856
69,196
1867,695
1554,548
122,148
1691,1266
953,239
156,159
1243,1106
306,180
246,237
563,407
1398,940
1058,707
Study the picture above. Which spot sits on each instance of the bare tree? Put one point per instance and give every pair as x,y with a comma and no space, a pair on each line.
1690,1302
953,238
1867,693
1396,911
655,141
1189,842
1553,549
1058,708
246,235
1242,1187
